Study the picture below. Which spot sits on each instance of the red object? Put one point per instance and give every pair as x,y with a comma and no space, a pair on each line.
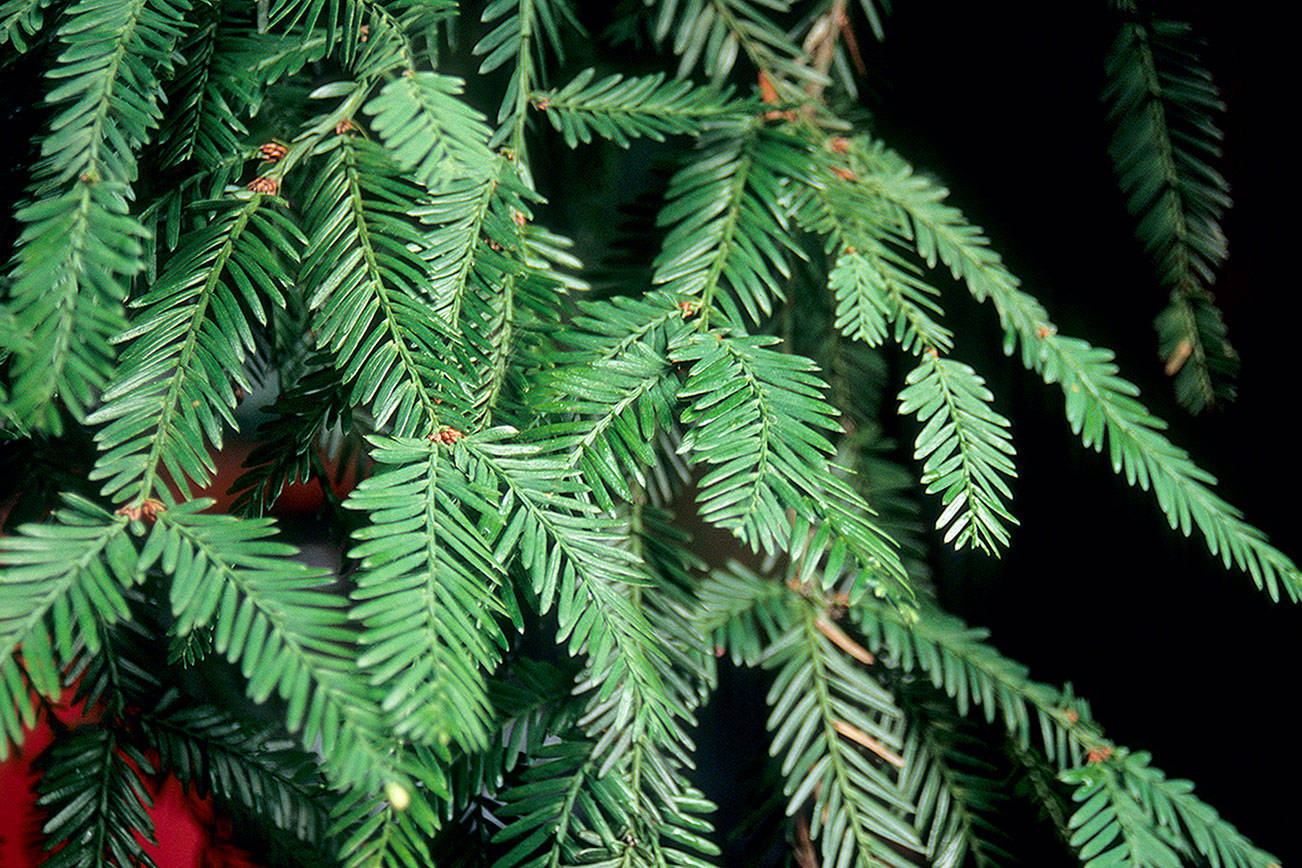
189,832
297,498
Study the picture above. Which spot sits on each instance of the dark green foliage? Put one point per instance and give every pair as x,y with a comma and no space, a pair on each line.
247,765
175,384
1165,146
714,34
62,580
96,800
619,377
312,202
620,110
388,346
80,246
728,239
296,443
430,132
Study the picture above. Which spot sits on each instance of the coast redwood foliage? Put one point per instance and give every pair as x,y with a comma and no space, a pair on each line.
338,229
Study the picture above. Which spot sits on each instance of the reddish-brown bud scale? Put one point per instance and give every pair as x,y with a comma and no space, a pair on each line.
265,185
1098,754
272,152
446,436
147,511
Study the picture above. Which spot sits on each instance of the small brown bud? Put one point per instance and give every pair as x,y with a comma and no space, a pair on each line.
264,184
272,152
147,511
1098,754
445,435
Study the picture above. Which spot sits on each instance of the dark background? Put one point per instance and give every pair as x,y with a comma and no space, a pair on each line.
1177,655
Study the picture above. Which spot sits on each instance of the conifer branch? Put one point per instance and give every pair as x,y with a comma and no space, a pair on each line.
175,385
875,286
61,582
1101,406
621,109
213,751
95,794
519,436
954,790
1110,816
459,215
877,777
633,805
972,673
363,277
728,244
713,34
853,800
427,591
206,125
79,247
1163,105
291,443
966,450
578,562
496,329
271,615
618,377
429,130
348,29
559,791
759,417
20,20
1182,821
525,29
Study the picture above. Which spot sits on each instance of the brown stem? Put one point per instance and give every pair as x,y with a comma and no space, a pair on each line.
820,44
803,848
